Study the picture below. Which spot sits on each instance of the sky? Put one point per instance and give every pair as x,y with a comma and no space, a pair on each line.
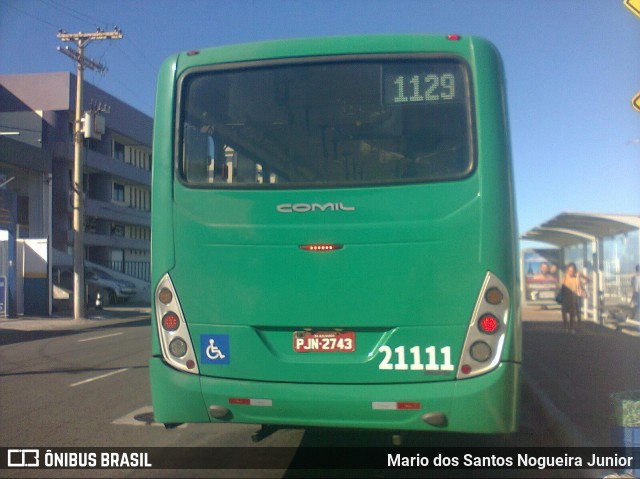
572,68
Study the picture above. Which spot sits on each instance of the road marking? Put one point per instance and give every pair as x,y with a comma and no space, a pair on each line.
99,377
100,337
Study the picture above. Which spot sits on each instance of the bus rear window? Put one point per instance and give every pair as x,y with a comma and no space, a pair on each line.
327,124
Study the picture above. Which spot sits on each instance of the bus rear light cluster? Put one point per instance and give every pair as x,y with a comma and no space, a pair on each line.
175,341
487,329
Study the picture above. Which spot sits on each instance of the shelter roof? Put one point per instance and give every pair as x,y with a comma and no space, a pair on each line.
570,228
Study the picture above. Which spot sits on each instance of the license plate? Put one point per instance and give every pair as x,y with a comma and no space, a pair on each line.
324,342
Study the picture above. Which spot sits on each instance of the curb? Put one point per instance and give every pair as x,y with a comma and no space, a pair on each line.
32,328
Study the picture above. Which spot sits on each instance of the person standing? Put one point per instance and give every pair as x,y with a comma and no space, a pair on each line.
572,294
635,294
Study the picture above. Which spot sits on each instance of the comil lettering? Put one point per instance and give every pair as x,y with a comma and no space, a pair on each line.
307,207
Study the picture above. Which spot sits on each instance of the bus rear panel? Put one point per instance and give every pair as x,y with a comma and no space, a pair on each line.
333,236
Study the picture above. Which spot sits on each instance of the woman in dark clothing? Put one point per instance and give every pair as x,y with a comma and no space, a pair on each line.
571,298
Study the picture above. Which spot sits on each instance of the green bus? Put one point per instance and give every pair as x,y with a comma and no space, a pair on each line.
334,236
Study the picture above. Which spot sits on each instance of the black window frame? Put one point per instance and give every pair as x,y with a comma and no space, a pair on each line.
181,89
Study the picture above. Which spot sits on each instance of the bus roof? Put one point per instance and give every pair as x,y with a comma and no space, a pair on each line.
325,46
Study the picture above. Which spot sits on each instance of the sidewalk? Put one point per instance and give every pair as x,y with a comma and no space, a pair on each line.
27,328
552,314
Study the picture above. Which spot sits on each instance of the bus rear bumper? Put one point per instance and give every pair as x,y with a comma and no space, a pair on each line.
485,404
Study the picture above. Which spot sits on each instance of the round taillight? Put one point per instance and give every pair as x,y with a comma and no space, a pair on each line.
488,324
494,296
466,369
480,351
178,347
170,321
165,296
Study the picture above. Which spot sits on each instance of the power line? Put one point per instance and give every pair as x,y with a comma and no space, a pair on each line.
148,74
32,16
136,64
128,88
154,68
72,12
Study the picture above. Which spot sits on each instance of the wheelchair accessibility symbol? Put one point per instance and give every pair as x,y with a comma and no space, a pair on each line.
213,352
215,349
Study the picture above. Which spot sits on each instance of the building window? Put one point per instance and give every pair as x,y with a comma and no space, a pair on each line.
117,229
118,192
118,151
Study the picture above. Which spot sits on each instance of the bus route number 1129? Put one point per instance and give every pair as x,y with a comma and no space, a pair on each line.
420,88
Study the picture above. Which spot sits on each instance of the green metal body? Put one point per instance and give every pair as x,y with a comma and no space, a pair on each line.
409,274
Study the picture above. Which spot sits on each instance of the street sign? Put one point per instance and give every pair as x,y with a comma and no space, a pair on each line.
636,101
633,5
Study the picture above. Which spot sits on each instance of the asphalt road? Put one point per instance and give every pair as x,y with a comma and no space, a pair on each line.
90,388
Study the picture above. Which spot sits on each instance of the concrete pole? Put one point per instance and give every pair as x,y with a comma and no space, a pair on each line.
82,39
78,204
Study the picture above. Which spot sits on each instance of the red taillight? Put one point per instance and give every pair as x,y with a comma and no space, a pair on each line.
170,321
453,36
488,324
320,247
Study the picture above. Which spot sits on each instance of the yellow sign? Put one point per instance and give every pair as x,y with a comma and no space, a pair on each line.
633,5
636,101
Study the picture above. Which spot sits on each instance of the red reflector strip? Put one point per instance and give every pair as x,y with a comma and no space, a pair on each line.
405,405
320,247
250,402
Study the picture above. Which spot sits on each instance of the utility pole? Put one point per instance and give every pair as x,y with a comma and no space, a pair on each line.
81,40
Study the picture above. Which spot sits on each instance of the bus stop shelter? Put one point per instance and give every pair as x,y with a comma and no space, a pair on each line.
605,247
